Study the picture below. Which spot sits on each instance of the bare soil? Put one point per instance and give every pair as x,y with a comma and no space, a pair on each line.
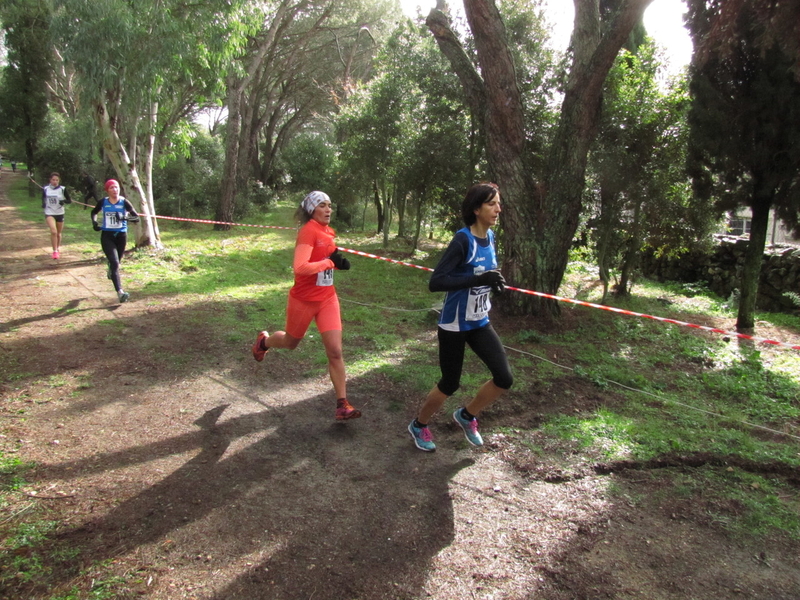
177,467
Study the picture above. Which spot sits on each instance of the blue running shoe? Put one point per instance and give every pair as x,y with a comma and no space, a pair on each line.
470,428
422,437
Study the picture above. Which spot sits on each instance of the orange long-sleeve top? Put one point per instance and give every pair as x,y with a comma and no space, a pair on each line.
313,270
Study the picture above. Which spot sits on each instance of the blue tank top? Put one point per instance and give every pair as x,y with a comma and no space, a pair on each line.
469,308
113,216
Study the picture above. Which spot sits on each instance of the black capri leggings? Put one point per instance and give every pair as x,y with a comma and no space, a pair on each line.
485,343
113,244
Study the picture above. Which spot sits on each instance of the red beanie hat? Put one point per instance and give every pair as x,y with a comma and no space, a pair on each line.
110,182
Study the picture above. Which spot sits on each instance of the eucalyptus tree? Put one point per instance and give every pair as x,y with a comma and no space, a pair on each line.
542,185
745,121
131,60
301,63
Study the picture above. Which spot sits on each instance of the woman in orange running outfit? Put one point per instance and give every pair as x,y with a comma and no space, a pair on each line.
313,296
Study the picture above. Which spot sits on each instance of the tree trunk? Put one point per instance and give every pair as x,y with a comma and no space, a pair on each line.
400,201
632,252
418,203
388,211
751,270
126,171
376,198
605,234
148,167
230,171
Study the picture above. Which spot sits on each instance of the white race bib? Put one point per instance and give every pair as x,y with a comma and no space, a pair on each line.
112,220
478,303
325,278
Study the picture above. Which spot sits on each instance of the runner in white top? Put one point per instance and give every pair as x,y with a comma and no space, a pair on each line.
54,197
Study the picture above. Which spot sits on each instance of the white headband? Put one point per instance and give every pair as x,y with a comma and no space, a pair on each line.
313,200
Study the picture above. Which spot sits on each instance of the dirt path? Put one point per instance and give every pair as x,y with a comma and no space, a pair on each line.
176,463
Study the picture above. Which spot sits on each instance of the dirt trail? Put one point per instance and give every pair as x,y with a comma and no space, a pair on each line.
190,471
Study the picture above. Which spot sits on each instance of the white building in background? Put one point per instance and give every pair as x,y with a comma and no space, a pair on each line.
738,223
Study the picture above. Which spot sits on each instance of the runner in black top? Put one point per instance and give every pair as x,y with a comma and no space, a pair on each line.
468,273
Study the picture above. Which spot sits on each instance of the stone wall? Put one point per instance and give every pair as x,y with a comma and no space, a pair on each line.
721,269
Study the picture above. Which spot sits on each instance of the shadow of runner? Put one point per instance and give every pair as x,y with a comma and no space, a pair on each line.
304,510
61,312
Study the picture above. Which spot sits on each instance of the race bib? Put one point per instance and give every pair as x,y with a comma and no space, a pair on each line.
325,278
478,303
112,220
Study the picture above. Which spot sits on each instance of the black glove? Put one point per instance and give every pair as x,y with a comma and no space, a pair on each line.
132,218
95,226
493,279
339,261
62,202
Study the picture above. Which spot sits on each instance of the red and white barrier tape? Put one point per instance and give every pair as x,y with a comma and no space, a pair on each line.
759,340
601,306
221,222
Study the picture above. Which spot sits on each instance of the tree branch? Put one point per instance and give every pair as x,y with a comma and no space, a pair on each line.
474,90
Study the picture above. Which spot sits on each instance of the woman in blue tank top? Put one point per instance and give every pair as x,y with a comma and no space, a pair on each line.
467,273
115,212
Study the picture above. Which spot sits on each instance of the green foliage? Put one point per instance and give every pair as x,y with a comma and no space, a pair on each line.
23,93
794,297
186,44
309,162
406,131
643,198
188,185
64,147
745,121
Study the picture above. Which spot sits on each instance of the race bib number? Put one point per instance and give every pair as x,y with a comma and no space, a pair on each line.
325,278
112,220
478,304
52,201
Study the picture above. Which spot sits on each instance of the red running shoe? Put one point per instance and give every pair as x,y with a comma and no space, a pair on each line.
345,411
258,351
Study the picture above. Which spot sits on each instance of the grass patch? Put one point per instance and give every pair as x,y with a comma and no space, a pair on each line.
742,503
11,470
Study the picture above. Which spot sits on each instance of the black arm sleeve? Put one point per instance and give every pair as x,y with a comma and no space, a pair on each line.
95,210
67,199
130,209
456,253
